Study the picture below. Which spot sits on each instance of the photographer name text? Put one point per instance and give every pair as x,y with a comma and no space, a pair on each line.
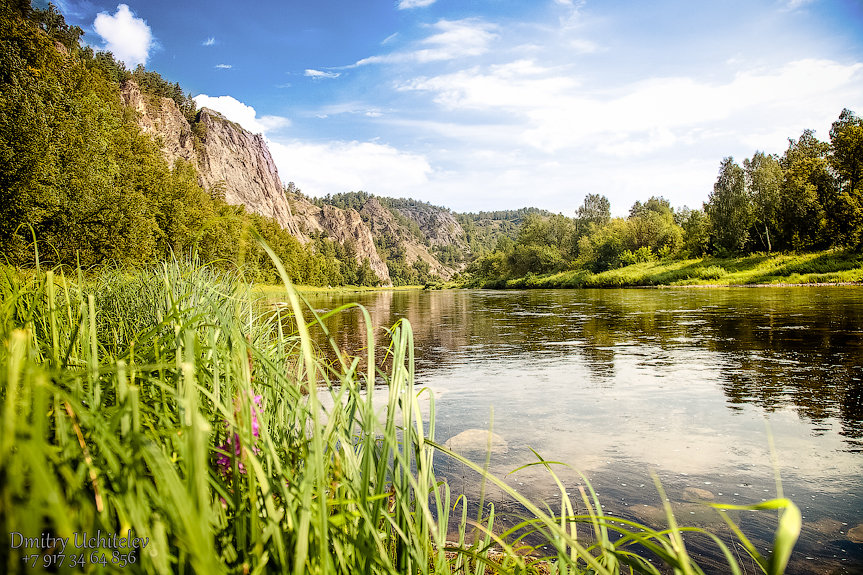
83,540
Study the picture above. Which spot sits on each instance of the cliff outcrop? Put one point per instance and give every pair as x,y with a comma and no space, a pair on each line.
342,226
161,118
438,225
237,164
232,162
382,223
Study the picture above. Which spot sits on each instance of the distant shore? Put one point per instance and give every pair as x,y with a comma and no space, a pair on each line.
779,284
826,268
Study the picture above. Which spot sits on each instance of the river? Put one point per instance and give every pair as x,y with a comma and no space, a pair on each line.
687,383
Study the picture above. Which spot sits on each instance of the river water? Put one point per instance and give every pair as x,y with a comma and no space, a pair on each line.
690,384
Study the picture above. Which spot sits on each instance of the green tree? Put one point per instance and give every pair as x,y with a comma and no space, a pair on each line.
729,208
808,190
366,276
651,225
602,249
595,210
846,159
763,176
696,231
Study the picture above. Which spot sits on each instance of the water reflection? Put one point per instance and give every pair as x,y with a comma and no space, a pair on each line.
773,347
616,382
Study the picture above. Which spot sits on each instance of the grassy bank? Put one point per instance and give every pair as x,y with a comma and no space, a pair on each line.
829,267
271,292
168,403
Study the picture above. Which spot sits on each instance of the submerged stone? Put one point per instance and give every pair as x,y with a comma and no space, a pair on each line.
473,440
697,494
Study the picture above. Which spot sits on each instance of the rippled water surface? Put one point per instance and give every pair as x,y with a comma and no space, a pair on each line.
616,383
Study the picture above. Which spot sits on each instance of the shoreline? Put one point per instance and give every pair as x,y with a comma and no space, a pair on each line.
779,284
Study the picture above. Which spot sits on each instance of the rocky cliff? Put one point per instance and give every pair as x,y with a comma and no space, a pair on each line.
382,223
237,164
232,162
439,226
161,118
342,226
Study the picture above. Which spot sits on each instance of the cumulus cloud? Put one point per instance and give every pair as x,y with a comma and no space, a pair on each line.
335,167
211,41
321,74
127,37
408,4
555,111
451,39
244,115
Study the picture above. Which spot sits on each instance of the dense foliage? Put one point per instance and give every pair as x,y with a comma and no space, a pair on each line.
483,230
808,199
79,176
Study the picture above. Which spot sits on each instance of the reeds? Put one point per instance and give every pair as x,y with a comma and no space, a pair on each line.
169,403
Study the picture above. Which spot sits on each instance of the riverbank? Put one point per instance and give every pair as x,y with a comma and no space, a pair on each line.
271,291
820,268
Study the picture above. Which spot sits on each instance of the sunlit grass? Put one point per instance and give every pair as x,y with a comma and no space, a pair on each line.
170,402
827,267
274,292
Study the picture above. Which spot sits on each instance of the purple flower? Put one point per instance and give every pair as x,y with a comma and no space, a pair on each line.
233,444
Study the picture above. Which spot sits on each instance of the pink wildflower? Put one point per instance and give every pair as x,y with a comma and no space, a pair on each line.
233,444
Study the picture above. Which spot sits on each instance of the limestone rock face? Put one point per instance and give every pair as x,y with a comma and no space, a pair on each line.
233,161
382,222
342,226
161,118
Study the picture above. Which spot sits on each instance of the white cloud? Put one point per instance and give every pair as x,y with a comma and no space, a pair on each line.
211,41
796,4
452,39
583,46
223,66
335,167
127,37
321,74
408,4
244,115
555,111
523,132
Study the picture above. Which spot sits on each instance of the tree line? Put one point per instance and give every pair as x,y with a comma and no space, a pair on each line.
79,176
809,198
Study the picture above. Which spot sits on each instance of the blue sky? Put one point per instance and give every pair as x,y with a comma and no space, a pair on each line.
496,104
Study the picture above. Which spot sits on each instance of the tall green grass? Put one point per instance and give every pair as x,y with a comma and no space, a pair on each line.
168,402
